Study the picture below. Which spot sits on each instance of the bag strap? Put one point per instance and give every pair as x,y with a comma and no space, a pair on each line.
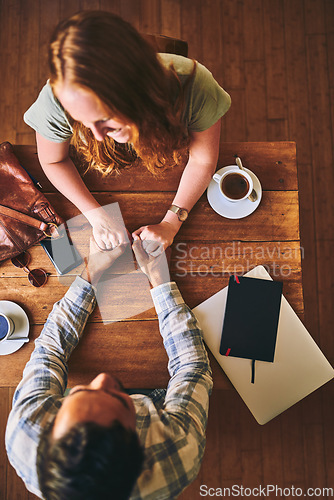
38,224
26,219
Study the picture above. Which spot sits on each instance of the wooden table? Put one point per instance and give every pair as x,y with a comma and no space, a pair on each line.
206,250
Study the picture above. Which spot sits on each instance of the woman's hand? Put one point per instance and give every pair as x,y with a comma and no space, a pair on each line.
156,238
109,235
108,231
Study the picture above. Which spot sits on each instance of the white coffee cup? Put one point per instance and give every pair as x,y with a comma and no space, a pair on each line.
6,327
234,184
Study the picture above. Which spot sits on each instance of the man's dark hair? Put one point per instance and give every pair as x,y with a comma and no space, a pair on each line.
90,462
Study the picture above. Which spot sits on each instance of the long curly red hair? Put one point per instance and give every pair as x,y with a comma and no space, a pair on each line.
100,52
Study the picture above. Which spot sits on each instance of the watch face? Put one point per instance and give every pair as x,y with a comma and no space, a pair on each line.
183,214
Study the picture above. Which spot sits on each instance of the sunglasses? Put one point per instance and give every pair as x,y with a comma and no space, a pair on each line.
36,277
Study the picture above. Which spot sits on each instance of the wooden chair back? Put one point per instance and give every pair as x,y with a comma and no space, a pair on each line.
167,44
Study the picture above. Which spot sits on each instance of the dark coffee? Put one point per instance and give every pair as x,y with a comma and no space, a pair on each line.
3,327
235,186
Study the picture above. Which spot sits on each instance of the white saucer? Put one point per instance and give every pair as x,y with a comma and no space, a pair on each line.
20,318
230,209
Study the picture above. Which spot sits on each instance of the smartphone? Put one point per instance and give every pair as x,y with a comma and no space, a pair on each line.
62,253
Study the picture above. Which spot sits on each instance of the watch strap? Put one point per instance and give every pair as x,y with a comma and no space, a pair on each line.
177,210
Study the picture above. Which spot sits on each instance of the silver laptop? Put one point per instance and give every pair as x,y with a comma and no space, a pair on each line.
299,366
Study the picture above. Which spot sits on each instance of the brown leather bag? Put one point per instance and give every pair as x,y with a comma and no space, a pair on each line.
26,216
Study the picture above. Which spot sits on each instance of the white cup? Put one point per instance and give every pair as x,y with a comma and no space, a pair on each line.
6,327
234,188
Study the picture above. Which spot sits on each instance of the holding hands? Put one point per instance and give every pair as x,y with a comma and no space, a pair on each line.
156,238
110,238
155,268
109,231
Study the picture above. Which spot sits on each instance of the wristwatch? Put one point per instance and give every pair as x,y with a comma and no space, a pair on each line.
182,213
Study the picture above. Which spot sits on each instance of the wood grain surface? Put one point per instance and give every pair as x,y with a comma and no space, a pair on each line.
207,249
276,59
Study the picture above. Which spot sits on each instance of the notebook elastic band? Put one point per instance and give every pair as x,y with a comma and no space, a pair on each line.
253,371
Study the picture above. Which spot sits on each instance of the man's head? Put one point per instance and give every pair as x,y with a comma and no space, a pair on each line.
92,450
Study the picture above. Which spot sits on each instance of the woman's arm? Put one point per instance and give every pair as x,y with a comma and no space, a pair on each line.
60,170
202,163
203,157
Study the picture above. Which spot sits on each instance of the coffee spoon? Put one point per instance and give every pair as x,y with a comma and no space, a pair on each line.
253,195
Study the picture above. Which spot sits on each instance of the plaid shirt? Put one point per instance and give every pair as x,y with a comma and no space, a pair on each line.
170,424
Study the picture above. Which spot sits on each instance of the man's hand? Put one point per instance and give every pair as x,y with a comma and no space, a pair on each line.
155,268
100,260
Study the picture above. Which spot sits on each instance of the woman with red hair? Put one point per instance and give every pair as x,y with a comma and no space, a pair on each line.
119,102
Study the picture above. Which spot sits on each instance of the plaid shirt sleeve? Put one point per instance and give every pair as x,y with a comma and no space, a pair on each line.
39,395
172,425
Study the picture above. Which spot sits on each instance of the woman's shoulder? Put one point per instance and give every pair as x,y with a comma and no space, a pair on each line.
206,101
203,78
182,65
47,116
47,97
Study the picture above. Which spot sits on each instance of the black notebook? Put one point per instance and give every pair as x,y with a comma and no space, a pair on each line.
251,319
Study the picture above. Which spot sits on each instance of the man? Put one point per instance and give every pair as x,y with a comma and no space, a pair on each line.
98,442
